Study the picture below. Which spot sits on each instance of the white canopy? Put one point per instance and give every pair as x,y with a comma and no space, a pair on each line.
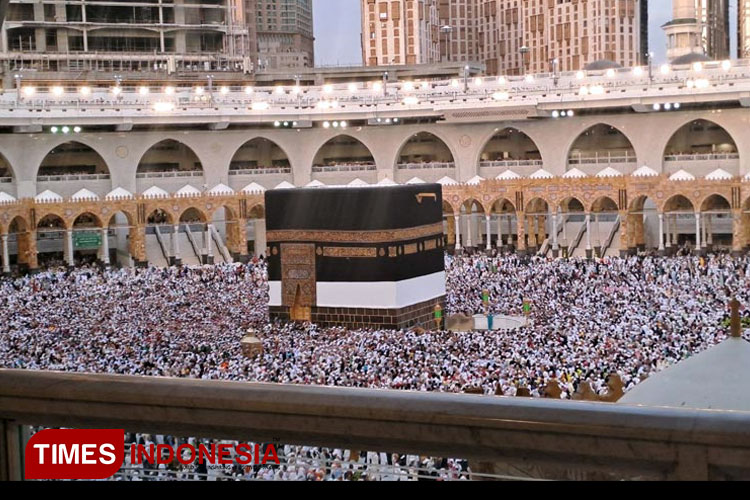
48,196
541,174
447,181
415,180
119,194
155,192
508,175
221,189
188,190
84,194
645,171
474,181
719,175
253,187
315,184
5,197
285,185
357,183
574,173
387,181
681,175
609,172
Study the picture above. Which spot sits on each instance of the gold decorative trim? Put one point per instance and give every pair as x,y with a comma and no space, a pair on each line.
410,249
368,252
381,236
430,245
392,252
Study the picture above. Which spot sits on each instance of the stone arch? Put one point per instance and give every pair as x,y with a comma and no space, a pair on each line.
160,158
536,215
128,216
257,211
717,221
193,215
260,153
125,237
425,147
343,149
537,206
600,146
86,218
571,204
51,220
159,216
701,141
715,201
679,203
72,158
225,219
604,204
449,224
509,145
20,230
6,169
502,205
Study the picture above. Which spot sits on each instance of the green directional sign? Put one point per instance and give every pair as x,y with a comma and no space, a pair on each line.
87,239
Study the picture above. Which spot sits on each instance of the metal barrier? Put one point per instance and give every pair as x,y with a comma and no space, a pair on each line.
547,435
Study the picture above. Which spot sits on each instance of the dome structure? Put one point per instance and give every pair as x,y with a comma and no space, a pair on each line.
691,58
601,65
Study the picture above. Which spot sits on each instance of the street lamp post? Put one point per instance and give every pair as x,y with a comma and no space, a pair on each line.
385,84
650,67
555,62
18,79
447,30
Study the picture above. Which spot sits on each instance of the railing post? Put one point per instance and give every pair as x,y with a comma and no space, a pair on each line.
11,464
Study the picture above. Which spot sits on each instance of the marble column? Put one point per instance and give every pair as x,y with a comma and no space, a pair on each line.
6,255
697,230
489,231
105,246
457,221
69,247
661,232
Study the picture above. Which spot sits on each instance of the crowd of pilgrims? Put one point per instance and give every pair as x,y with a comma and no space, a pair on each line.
588,319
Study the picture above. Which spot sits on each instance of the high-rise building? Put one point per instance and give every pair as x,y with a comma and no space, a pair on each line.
699,27
459,34
284,33
400,32
743,28
577,33
516,36
155,35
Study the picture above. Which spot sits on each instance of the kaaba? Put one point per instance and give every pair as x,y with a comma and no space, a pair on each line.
356,257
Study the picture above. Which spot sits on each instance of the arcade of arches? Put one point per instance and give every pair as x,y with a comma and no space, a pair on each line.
568,217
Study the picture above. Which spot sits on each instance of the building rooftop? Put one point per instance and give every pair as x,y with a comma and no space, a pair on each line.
714,379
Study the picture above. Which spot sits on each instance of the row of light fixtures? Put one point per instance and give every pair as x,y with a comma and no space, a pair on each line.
377,86
65,129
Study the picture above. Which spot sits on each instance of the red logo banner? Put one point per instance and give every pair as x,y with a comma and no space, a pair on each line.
74,453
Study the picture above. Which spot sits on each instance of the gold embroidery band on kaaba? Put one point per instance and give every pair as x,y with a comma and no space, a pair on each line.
380,236
368,252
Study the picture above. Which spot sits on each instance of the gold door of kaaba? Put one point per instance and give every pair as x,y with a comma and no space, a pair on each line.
298,279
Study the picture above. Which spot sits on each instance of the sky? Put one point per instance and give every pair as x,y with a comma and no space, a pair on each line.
337,30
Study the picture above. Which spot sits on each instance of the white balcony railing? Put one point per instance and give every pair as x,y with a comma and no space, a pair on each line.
433,165
261,171
703,157
162,175
602,159
72,177
353,167
510,163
